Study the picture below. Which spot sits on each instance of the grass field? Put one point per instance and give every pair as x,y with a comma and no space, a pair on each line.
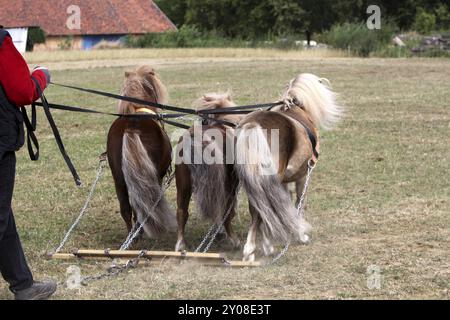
380,195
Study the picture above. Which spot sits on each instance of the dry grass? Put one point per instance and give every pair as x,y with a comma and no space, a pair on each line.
120,54
64,60
380,195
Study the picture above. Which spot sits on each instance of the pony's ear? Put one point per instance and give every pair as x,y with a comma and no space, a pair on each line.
325,82
128,74
149,74
148,71
207,98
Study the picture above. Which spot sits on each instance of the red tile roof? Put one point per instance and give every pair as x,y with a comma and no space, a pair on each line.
97,16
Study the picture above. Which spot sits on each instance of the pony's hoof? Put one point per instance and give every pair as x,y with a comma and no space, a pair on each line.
249,258
235,243
304,232
180,246
268,250
305,239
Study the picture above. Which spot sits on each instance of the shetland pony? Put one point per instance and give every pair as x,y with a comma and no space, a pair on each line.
214,185
307,104
139,155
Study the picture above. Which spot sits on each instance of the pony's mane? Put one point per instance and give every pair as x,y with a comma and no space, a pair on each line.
214,101
315,96
217,101
144,84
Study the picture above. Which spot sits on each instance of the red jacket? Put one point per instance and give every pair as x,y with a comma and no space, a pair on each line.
15,76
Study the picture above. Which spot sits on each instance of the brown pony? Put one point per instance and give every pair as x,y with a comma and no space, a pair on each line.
139,154
266,163
214,183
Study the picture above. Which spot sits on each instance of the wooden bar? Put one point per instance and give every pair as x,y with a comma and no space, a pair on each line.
214,259
149,254
243,264
155,256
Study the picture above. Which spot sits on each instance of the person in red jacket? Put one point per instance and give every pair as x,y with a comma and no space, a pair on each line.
17,89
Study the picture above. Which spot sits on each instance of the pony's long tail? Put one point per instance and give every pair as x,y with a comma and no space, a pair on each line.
144,190
209,180
264,189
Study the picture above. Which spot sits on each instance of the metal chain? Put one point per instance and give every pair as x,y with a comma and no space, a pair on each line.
102,163
135,231
300,211
208,234
216,228
300,206
280,255
114,269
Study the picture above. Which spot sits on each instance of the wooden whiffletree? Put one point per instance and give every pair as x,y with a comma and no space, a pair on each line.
212,259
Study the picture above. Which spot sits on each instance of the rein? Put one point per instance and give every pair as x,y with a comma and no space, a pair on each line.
33,143
156,116
202,113
128,99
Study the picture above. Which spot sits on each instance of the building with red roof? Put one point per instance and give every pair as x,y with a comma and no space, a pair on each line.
83,23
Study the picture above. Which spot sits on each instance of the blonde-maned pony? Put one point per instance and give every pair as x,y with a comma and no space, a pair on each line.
215,186
139,154
308,104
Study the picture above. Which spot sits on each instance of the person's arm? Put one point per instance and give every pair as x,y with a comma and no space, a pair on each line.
15,77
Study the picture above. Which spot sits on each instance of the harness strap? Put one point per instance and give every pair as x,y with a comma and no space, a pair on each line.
57,136
170,108
156,116
311,135
147,103
219,121
129,99
148,111
32,140
145,110
160,117
176,124
240,109
313,139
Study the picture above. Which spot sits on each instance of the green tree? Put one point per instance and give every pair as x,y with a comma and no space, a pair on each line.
211,15
443,17
253,19
174,9
424,21
35,36
289,17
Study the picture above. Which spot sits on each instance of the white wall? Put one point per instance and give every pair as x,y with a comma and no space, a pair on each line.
19,36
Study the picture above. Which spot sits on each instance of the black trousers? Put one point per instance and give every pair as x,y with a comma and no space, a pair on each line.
13,265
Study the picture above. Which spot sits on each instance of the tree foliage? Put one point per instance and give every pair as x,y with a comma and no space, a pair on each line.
35,36
358,39
250,19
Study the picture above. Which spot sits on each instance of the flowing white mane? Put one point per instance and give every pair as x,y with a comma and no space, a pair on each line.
314,94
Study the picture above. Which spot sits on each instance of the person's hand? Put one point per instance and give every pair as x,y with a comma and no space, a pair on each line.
45,71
